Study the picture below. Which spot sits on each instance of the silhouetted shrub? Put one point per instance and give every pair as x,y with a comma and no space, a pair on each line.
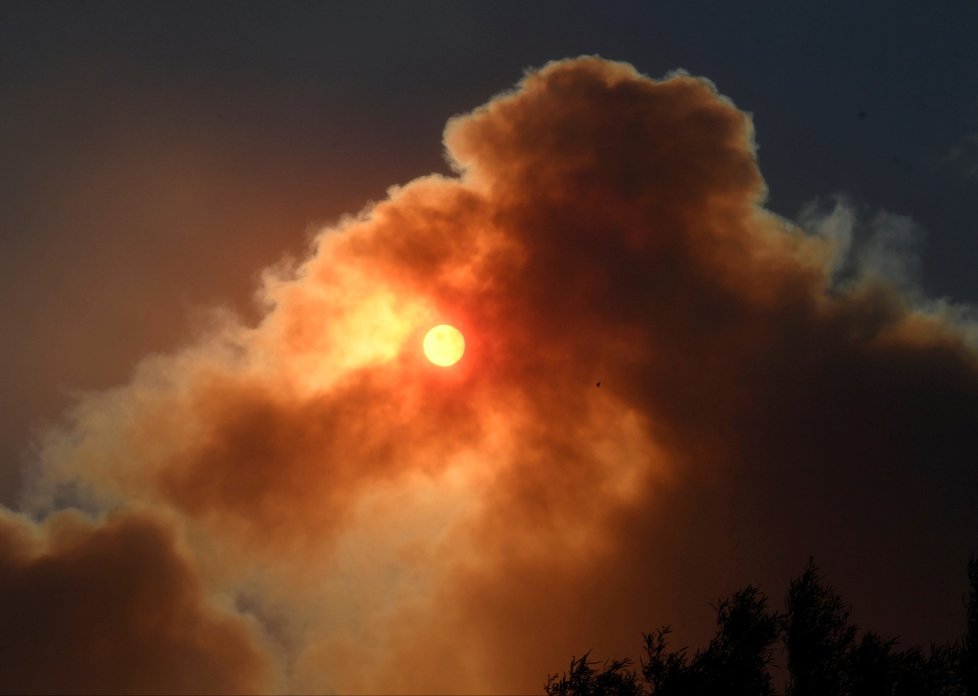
667,673
735,663
824,658
737,658
817,636
968,658
613,679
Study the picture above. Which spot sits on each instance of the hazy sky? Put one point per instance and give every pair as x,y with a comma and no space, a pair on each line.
771,276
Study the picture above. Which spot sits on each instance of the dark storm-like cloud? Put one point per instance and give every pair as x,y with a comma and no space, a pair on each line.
398,526
115,608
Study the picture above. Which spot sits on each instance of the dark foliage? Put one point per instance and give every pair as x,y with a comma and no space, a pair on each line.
824,657
735,662
667,673
613,679
817,636
969,644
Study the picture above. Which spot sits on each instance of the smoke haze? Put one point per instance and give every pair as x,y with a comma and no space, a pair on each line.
306,504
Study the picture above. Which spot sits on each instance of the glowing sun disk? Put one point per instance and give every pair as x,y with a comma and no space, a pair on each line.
443,345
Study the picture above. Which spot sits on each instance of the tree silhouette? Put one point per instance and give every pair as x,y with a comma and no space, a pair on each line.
969,645
613,679
817,636
737,658
872,667
824,658
735,663
667,673
877,669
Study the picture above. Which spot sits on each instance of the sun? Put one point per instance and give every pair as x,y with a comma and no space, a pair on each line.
443,345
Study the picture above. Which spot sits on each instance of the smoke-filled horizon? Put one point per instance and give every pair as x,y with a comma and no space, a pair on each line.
306,504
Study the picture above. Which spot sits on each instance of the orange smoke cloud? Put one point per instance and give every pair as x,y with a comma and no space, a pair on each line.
388,525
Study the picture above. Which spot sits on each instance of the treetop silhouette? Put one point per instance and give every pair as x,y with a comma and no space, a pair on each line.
822,652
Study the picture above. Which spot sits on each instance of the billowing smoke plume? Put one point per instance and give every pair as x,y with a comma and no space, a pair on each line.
309,505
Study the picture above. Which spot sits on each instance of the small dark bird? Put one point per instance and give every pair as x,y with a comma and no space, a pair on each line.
597,384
